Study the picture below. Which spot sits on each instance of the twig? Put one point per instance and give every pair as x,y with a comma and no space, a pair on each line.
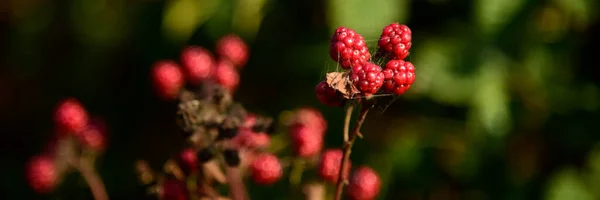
92,178
342,178
236,184
347,121
314,191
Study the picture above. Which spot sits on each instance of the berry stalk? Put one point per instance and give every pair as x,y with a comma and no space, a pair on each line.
343,177
86,168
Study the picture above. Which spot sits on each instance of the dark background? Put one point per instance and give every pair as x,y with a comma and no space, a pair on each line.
505,105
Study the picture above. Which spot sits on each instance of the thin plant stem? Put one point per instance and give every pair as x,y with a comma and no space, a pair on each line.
343,177
236,184
86,169
347,122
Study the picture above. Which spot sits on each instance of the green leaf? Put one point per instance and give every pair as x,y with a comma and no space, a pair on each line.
493,15
567,184
182,17
490,101
366,17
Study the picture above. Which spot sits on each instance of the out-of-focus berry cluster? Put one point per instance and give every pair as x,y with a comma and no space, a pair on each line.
76,131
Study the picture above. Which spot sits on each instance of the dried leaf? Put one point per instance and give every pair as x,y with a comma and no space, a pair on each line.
340,81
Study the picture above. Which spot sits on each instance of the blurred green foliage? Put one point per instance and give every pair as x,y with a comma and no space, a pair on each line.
505,104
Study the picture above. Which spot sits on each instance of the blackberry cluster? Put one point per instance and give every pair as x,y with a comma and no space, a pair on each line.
365,77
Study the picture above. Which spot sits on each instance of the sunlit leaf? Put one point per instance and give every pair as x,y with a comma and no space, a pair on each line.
182,17
247,16
579,10
493,15
567,184
433,61
490,101
366,17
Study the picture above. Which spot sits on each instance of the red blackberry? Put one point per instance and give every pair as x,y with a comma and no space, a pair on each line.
328,96
306,141
234,49
226,75
311,118
395,40
70,116
167,79
364,184
173,189
41,174
94,136
348,48
266,169
250,139
329,165
367,78
188,160
197,64
399,75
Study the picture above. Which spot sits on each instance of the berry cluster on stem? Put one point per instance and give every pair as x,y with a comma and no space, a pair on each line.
364,79
78,142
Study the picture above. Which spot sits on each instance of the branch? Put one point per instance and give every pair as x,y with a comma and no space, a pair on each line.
236,184
86,168
347,121
342,178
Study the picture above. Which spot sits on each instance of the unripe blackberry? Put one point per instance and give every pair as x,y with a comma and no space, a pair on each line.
328,96
395,40
306,141
266,169
367,78
70,116
197,63
188,160
348,48
234,49
232,157
399,76
330,163
205,154
311,118
226,75
41,174
167,79
173,189
364,184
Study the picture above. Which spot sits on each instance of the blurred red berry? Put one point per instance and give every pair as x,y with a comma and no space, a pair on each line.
266,169
167,78
94,136
226,75
348,48
330,163
398,75
197,63
367,78
173,189
249,121
328,96
188,160
70,116
395,40
306,142
250,139
311,118
364,184
41,174
234,49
